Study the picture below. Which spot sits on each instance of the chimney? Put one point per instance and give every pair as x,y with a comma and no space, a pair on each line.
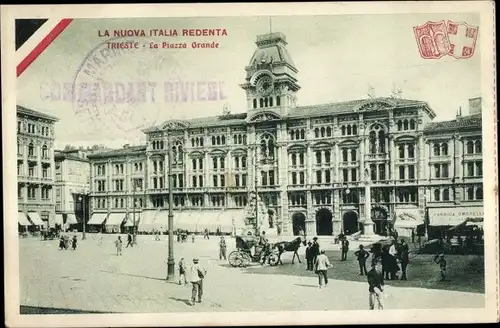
475,105
459,113
126,146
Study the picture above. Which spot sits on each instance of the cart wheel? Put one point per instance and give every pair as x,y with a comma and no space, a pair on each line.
235,259
273,258
247,259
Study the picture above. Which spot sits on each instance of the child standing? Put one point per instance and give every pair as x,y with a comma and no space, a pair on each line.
119,245
182,271
440,259
73,243
309,257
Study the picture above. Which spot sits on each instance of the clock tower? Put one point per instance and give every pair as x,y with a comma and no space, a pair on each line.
271,82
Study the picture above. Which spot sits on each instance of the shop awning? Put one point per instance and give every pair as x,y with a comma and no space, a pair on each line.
407,218
23,219
98,218
186,220
147,219
115,219
229,218
130,219
71,218
453,216
59,219
161,220
35,218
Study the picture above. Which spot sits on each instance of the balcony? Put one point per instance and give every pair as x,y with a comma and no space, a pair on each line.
32,158
377,157
441,159
268,188
237,188
347,164
46,159
20,157
297,187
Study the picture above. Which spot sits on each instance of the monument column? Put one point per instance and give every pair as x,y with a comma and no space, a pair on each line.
368,223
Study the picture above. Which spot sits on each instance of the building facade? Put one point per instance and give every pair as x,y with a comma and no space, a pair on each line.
35,166
308,164
72,186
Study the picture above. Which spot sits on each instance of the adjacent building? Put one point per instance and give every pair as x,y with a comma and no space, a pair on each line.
72,186
35,167
308,164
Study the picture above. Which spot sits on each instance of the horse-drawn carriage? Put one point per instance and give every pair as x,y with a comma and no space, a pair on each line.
242,256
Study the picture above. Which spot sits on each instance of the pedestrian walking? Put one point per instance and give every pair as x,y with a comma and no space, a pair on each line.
197,274
376,287
129,240
345,248
222,248
413,236
441,260
315,249
322,264
182,272
404,258
74,242
309,257
118,244
362,256
393,260
62,243
206,234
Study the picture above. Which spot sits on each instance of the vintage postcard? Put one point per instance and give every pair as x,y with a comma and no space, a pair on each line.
250,164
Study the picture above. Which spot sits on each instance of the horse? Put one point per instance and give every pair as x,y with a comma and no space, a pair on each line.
289,246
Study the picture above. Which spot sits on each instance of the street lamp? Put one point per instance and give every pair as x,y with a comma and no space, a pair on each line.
134,235
170,261
82,200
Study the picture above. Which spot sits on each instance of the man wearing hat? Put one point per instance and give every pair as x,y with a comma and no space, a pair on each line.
197,276
314,249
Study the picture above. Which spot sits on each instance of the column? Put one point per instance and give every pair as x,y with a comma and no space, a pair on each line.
391,174
336,161
309,163
310,215
361,154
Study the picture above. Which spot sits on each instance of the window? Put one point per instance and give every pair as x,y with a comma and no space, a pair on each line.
45,172
411,172
301,159
381,171
31,171
437,170
294,159
327,176
222,181
470,193
237,162
444,149
400,125
271,178
401,173
318,157
237,180
327,156
353,155
444,172
373,172
354,174
412,124
477,147
328,131
193,161
200,163
401,149
200,181
479,169
470,147
302,178
437,150
446,194
316,133
437,195
479,193
263,176
294,178
222,162
411,151
344,155
405,125
343,130
318,176
215,180
214,160
345,175
244,180
31,150
470,169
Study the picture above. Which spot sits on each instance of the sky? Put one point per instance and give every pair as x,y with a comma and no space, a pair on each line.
338,57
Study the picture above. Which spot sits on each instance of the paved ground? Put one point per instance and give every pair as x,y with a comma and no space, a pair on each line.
94,279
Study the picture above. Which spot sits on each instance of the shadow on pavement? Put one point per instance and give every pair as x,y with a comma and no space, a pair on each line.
24,309
185,301
134,275
301,285
464,273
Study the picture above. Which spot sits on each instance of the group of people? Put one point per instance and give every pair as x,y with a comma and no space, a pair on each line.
65,242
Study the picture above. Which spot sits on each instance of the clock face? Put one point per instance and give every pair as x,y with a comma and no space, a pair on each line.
265,85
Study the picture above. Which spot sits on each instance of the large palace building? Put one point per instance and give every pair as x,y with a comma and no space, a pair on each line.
35,167
308,164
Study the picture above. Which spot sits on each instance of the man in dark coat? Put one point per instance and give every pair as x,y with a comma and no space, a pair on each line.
404,257
362,255
129,240
345,248
375,287
309,257
315,249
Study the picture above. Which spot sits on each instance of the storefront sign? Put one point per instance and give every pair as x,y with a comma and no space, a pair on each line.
453,215
408,217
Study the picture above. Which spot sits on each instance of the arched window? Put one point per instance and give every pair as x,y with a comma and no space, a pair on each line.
193,161
373,138
235,139
411,151
316,133
302,134
214,160
344,155
278,101
266,102
381,141
437,150
405,125
45,152
401,149
192,142
349,132
437,195
218,140
328,131
301,158
353,155
479,193
201,141
294,159
198,142
470,147
400,125
213,141
470,193
412,124
237,162
446,194
255,103
343,130
292,135
31,149
261,102
223,140
327,156
194,181
355,129
318,157
240,139
271,101
271,147
478,147
444,149
19,147
297,134
322,132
